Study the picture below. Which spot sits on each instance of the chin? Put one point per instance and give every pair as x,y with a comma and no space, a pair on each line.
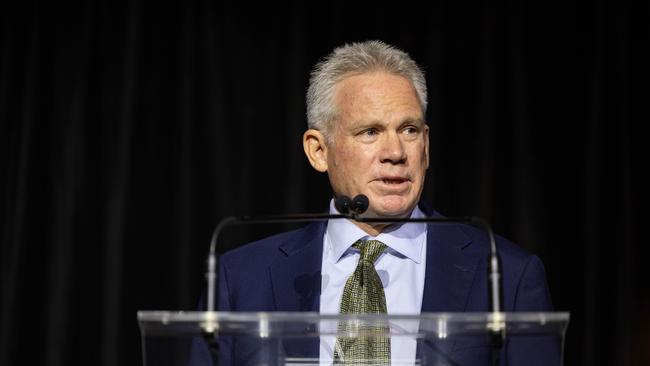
392,207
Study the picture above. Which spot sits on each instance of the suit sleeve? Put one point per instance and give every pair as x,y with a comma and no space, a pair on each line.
223,295
533,295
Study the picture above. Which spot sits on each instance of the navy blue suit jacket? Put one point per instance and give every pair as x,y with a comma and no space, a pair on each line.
282,273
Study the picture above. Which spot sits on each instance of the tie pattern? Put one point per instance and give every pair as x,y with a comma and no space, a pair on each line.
363,294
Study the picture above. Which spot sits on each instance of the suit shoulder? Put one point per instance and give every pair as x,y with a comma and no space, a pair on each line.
524,277
266,249
478,237
508,250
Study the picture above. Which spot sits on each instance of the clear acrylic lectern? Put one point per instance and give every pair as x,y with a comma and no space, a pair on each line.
179,338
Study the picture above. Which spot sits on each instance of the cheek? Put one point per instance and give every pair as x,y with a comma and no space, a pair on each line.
339,164
420,152
350,167
352,158
347,158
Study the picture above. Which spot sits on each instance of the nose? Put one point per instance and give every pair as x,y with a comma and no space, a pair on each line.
392,151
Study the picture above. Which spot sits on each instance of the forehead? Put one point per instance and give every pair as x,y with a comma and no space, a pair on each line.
377,95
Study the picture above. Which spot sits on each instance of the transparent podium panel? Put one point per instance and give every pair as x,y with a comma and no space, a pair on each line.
225,339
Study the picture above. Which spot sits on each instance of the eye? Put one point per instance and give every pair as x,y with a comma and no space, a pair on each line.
369,132
410,130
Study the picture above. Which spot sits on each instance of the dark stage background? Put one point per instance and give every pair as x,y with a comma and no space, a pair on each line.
128,129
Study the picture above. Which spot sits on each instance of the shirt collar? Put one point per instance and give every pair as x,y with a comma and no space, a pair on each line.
406,239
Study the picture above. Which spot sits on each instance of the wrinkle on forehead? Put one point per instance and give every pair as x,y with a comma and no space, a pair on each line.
366,98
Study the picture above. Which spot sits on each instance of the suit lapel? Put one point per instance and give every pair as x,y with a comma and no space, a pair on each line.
449,269
296,276
448,278
296,280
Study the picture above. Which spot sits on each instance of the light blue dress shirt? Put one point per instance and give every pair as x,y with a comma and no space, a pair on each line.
401,269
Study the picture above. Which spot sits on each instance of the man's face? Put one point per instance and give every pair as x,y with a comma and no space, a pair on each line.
379,145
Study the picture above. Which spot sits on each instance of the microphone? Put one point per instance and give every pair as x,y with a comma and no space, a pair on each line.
352,209
360,204
343,204
356,206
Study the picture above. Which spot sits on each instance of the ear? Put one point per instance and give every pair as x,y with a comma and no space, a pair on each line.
313,141
426,144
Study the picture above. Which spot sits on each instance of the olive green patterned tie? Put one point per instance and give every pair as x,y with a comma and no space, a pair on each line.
363,294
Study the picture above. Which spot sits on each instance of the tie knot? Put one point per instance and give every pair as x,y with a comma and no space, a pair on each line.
370,249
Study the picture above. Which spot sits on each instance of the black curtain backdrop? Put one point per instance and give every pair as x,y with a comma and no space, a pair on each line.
129,128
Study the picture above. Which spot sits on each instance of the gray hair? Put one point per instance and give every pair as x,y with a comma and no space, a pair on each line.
354,59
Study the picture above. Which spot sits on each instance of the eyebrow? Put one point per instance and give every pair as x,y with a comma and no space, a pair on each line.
414,121
375,123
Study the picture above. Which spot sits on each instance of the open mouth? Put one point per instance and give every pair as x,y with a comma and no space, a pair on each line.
393,180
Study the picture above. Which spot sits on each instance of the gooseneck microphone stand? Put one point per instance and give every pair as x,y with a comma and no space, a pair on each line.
352,209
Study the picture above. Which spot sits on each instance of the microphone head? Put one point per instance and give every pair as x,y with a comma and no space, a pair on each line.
360,204
343,204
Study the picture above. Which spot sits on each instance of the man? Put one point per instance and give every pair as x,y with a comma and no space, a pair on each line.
366,107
